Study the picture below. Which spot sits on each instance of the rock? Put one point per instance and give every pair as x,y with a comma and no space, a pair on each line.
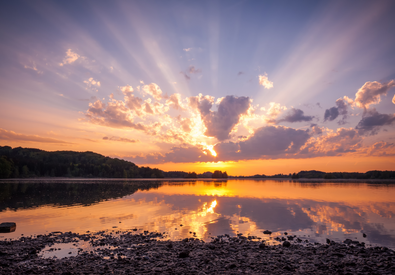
262,246
7,227
267,232
286,244
285,233
364,235
183,254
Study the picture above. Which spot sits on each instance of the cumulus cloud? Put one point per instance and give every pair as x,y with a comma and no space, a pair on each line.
372,121
381,148
295,115
92,84
340,109
114,138
316,129
264,81
153,90
220,123
69,58
333,143
266,142
274,110
13,136
393,99
114,114
371,92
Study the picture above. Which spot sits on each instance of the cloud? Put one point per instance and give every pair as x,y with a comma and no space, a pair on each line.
12,136
193,70
220,123
114,114
187,49
381,148
240,73
264,81
295,115
331,143
176,155
370,93
92,84
187,77
175,101
69,58
372,121
316,129
34,68
393,99
153,90
266,142
274,110
114,138
341,109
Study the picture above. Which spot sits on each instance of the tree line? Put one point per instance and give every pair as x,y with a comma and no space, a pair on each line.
26,162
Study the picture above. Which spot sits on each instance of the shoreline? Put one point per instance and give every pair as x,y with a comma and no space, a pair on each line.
301,180
128,252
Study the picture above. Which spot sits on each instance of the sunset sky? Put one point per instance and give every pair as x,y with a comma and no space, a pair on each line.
250,87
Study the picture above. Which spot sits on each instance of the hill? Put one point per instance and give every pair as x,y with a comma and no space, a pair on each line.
28,162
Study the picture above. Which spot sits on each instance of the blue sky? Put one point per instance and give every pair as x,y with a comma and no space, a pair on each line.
280,65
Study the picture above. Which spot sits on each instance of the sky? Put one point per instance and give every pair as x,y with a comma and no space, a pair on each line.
247,87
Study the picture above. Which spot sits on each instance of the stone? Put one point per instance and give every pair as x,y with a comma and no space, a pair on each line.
183,254
267,232
7,227
286,244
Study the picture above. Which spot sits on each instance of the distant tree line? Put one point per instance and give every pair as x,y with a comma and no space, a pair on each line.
25,162
345,175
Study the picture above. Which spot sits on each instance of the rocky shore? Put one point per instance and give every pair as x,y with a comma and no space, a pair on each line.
137,253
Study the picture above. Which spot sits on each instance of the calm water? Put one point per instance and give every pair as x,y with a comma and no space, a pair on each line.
313,211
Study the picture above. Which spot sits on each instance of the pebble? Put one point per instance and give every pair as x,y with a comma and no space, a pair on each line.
148,252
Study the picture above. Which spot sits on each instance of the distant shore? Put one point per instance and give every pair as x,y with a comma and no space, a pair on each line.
312,180
134,253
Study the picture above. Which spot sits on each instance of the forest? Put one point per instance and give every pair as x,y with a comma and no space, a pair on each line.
26,163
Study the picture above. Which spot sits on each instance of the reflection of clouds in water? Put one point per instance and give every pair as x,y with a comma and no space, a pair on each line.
251,216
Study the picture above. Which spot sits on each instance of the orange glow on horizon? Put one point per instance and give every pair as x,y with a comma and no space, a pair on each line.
285,166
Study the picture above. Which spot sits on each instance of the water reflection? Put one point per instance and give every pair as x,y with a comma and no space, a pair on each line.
203,209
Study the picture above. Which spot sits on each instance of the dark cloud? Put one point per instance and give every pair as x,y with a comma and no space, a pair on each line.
331,114
193,70
220,123
372,121
316,129
187,77
341,109
296,115
240,73
269,141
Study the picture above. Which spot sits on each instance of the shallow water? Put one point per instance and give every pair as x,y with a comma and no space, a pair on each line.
313,211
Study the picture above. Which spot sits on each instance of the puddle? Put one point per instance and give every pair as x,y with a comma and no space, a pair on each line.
63,250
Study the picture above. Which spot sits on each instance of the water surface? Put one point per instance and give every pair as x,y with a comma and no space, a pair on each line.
312,210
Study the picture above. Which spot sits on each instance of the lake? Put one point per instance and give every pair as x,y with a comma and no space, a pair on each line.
311,210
